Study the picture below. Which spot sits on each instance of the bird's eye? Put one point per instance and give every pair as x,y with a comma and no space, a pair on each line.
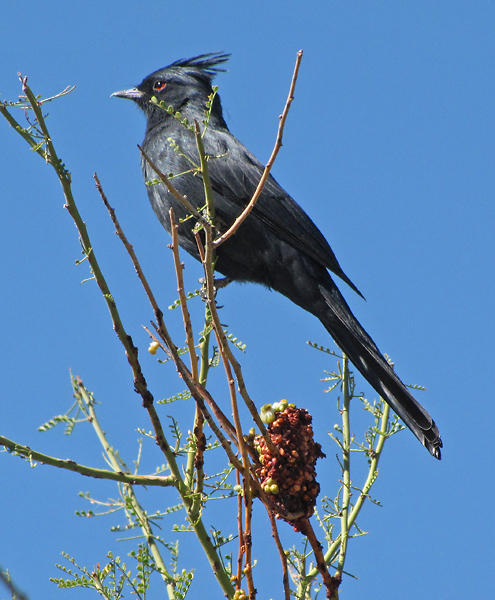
158,86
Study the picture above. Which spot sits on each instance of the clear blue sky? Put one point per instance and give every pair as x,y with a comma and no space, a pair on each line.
389,147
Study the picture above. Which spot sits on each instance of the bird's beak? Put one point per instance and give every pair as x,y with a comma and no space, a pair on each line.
132,94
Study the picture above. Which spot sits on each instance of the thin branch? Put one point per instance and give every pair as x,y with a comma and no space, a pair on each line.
346,467
25,103
144,523
283,557
199,393
182,199
68,90
331,583
7,580
128,246
373,467
65,180
208,259
195,458
64,177
182,296
70,465
210,205
239,532
22,131
278,144
374,454
224,347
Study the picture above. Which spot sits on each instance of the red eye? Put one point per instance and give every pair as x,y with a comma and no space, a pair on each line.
158,86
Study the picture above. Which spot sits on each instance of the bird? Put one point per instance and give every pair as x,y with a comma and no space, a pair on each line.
277,245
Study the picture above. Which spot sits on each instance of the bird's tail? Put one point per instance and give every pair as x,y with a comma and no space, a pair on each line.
365,356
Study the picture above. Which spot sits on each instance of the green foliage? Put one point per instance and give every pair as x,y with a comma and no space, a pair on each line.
235,342
189,296
115,579
185,395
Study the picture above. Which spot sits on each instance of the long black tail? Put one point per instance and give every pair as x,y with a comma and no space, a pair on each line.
365,356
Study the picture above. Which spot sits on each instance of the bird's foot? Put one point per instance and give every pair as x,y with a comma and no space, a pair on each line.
218,284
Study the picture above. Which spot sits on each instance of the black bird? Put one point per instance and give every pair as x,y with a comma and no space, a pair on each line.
278,245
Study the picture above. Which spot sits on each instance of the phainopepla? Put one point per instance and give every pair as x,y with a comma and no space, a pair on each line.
277,245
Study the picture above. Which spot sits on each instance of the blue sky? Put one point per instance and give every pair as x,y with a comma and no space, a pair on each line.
388,147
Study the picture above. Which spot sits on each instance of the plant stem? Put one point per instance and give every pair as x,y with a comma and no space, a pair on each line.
346,467
144,523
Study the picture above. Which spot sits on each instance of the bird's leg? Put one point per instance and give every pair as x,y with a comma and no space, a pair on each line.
219,284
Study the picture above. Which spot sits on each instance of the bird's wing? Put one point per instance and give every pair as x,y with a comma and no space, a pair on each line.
235,174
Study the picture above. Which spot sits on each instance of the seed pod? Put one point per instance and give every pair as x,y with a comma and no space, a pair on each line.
291,473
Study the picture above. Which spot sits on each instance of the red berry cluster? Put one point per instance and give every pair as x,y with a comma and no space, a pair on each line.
289,478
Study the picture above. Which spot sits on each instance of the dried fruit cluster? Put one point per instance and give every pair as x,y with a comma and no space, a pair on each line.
289,478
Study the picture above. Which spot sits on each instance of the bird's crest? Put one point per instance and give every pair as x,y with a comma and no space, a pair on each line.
205,63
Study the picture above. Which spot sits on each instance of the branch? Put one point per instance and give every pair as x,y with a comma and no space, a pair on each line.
182,296
283,557
330,582
86,400
182,199
128,246
70,465
346,468
7,580
278,144
224,347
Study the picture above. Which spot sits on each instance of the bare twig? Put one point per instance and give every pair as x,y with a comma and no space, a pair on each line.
208,258
240,555
224,347
195,458
200,394
278,144
182,199
331,583
128,246
68,90
182,296
283,557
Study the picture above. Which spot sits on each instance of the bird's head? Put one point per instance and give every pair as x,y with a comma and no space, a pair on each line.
185,85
